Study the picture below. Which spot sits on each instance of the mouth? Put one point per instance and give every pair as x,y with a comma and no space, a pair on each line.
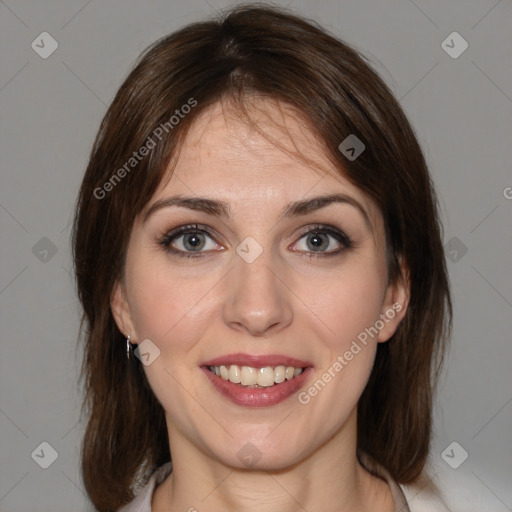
257,381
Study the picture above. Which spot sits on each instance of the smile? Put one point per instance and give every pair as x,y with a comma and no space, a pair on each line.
257,381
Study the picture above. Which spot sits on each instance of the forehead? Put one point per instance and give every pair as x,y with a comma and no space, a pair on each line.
271,155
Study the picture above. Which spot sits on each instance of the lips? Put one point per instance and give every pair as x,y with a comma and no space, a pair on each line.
256,396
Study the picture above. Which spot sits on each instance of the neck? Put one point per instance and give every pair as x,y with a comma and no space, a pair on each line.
330,479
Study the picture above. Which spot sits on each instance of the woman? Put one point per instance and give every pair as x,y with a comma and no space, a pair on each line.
259,258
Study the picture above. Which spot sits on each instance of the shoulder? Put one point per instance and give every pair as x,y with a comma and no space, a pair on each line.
142,502
424,498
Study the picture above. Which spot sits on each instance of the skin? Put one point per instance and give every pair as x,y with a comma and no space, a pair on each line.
285,302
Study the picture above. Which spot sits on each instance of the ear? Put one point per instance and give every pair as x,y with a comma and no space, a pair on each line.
394,307
121,311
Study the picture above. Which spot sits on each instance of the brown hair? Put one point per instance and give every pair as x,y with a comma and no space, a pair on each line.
272,53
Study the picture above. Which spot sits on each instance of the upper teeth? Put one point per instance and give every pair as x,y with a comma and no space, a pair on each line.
248,376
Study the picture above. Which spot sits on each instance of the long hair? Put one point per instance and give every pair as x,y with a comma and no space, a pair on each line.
264,52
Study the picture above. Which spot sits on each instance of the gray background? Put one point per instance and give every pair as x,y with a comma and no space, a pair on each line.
50,111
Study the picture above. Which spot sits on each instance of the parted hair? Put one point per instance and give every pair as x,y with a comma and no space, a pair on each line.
264,52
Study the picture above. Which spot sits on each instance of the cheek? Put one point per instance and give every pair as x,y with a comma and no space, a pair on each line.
350,303
166,307
332,396
348,308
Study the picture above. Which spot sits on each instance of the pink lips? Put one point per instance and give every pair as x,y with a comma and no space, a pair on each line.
257,397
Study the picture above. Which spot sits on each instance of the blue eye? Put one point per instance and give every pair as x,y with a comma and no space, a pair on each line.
193,241
318,241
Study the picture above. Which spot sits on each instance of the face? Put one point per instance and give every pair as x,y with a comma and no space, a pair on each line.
269,281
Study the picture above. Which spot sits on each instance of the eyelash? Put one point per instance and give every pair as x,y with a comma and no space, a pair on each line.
166,239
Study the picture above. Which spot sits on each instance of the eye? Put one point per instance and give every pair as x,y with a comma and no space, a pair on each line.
318,241
189,241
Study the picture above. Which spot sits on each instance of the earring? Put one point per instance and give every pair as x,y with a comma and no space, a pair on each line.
128,347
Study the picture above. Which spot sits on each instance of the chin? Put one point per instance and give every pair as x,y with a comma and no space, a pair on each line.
262,452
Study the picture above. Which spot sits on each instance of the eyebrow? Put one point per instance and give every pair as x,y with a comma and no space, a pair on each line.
221,209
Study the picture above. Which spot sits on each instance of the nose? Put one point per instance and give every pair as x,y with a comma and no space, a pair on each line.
258,299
